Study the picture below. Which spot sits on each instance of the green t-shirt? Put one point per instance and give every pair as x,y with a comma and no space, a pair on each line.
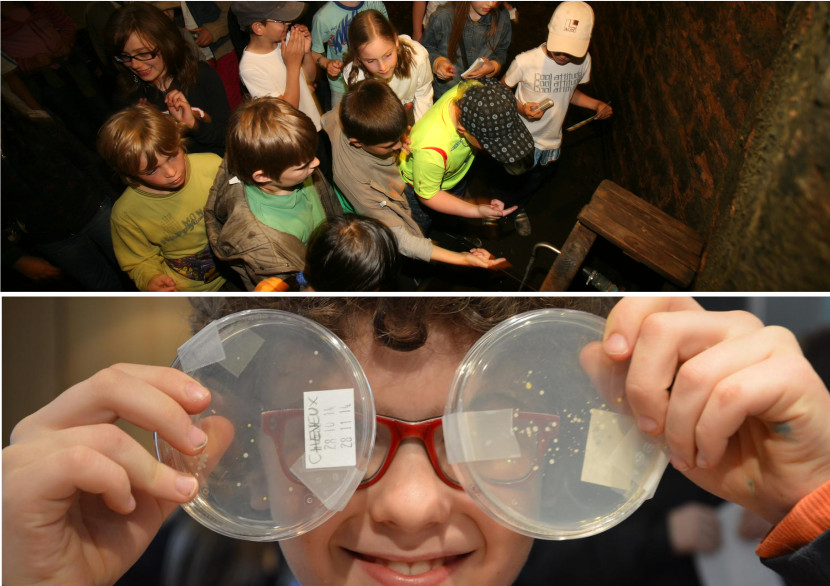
439,157
297,214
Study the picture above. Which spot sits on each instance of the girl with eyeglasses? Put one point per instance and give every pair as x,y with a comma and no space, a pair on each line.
161,68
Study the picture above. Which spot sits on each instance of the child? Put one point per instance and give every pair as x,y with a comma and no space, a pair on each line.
158,231
366,140
351,253
274,64
267,199
376,50
161,68
459,34
551,71
330,34
746,418
470,117
278,62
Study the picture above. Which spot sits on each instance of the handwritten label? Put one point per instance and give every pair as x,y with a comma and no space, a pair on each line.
329,428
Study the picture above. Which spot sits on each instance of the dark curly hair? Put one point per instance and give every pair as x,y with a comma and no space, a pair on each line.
400,323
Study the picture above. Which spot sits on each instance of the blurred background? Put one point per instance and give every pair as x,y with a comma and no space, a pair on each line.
51,343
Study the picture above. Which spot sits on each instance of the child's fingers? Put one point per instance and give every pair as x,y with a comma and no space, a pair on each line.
664,342
116,452
625,320
711,375
774,391
153,398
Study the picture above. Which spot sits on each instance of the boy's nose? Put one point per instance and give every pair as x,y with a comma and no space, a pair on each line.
410,496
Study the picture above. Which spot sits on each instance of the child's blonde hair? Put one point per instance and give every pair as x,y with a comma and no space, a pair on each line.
269,135
366,27
138,132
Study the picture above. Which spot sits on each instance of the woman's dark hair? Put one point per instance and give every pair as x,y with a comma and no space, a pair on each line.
371,113
459,21
365,28
158,31
352,253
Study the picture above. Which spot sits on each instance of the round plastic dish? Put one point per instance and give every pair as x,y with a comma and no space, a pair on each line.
290,426
539,432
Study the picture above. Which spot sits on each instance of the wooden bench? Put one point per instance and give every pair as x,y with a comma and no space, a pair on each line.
640,230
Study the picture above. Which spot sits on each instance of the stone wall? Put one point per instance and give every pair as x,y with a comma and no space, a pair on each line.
721,119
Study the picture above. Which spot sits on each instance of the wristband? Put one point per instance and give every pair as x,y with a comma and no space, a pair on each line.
319,59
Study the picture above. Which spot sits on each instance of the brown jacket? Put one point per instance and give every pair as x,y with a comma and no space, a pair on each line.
252,249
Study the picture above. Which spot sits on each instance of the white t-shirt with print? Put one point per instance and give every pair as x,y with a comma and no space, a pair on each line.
265,75
537,77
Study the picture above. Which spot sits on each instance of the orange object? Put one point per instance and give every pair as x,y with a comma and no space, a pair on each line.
271,285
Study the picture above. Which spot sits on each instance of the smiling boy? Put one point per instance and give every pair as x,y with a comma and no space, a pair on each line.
745,418
158,232
268,197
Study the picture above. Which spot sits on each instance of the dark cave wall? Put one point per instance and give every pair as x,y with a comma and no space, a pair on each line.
707,129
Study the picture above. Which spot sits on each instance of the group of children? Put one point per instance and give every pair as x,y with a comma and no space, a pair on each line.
190,221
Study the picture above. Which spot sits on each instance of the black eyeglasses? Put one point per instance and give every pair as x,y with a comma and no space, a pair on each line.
126,58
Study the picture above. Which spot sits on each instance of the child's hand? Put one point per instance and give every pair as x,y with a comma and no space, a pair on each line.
743,412
604,111
80,496
334,68
495,209
485,69
406,141
302,31
443,68
530,110
179,108
162,284
204,38
481,258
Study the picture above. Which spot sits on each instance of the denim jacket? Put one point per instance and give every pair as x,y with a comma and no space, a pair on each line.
437,38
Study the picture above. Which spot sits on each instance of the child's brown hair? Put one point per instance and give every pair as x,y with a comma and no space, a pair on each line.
366,27
269,135
136,132
371,113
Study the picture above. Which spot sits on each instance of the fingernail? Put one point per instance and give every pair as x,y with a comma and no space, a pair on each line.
616,345
186,485
647,424
679,464
196,392
701,461
197,437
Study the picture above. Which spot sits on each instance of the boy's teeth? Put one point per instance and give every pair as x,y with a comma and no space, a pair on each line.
414,569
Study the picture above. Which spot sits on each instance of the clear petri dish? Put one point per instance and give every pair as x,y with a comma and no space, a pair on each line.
539,432
290,426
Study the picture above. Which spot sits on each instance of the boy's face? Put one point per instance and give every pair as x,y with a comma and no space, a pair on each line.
410,527
297,174
272,30
560,58
169,174
381,150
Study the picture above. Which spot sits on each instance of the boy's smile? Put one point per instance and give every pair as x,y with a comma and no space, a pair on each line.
410,528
